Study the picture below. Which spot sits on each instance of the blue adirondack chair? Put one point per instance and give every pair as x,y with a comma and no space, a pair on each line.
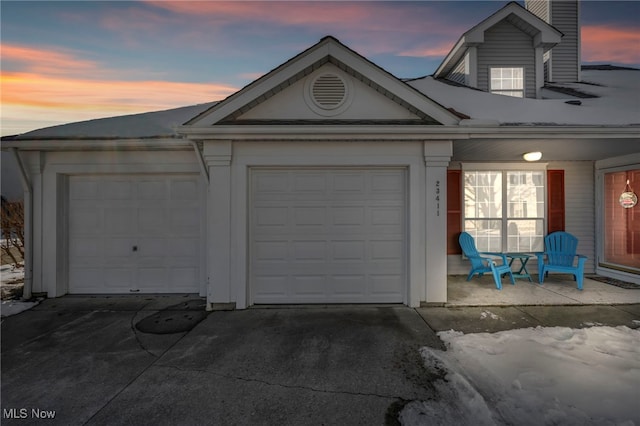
481,264
560,256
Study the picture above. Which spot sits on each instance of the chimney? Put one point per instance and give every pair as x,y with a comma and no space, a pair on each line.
562,63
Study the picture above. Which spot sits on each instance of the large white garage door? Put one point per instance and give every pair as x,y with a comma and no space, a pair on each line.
130,234
328,236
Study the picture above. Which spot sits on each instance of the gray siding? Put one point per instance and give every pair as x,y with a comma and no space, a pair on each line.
539,8
507,46
579,204
457,74
565,56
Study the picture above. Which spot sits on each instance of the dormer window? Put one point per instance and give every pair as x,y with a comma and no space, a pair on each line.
507,81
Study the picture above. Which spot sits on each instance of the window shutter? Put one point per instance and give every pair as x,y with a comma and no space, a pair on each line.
454,211
555,200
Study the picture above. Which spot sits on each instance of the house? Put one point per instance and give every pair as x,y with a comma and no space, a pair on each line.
329,180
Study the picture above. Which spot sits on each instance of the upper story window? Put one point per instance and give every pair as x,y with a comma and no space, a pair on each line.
508,81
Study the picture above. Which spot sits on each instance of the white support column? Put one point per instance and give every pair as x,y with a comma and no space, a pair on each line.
217,155
437,155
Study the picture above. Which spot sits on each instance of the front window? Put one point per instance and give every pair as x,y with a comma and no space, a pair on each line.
507,81
504,210
621,224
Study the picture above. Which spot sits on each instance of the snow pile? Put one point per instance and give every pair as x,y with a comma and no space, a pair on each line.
12,276
13,307
541,376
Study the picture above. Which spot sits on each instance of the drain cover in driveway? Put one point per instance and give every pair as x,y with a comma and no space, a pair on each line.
174,319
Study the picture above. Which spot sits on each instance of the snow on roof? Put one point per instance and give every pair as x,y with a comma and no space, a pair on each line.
146,125
617,102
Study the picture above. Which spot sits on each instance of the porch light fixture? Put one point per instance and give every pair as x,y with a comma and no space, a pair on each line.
532,156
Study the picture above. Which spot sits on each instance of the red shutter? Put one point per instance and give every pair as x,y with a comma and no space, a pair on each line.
454,211
555,200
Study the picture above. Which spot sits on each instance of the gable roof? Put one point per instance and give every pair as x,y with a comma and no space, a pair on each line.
543,34
328,50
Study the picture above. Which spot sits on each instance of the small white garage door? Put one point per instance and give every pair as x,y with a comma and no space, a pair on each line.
130,234
328,236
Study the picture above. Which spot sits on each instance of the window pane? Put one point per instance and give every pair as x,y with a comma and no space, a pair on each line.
525,199
483,194
487,234
507,81
525,235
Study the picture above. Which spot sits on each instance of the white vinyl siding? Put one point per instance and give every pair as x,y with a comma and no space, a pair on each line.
507,46
580,206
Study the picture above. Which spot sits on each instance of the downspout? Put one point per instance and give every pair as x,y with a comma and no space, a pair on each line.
28,226
203,165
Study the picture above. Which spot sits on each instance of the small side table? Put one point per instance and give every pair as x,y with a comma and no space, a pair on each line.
523,258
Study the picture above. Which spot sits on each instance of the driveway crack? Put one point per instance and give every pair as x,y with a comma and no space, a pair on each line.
282,385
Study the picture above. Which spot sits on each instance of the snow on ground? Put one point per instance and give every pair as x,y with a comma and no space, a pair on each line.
10,275
534,376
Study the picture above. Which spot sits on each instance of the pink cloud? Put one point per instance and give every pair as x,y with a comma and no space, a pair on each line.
58,87
47,61
610,44
439,50
367,23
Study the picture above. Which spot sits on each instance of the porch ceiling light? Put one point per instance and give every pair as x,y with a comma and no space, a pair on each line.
532,156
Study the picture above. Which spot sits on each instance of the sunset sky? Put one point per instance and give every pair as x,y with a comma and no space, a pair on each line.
76,60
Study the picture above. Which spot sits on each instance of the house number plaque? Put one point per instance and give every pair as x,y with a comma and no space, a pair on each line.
437,198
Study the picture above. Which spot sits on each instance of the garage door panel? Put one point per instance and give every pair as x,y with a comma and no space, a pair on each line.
271,217
341,216
348,285
348,251
312,251
114,190
309,216
353,183
184,220
152,189
88,219
310,183
385,284
118,220
127,234
387,182
184,190
387,250
320,236
307,285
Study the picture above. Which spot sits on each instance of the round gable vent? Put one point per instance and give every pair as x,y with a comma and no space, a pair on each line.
328,91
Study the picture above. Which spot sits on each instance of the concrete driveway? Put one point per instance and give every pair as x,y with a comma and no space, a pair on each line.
86,361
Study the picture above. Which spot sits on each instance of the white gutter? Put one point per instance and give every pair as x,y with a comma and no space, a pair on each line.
203,166
28,226
468,129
